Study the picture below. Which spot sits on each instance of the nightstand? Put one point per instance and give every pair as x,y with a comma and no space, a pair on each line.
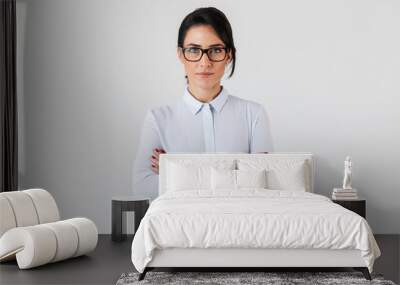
122,204
358,206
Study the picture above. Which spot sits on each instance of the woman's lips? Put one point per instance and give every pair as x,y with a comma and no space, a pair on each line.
204,74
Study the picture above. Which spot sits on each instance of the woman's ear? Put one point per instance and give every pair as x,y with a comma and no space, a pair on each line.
180,54
229,59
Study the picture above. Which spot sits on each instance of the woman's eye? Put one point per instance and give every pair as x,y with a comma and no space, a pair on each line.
216,50
193,50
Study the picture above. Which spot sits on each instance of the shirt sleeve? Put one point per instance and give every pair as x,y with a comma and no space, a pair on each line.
261,139
145,181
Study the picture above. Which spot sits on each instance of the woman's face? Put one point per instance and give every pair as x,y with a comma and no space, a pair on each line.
203,36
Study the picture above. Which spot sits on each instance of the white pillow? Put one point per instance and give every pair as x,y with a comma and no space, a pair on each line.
251,178
223,179
189,175
237,179
282,174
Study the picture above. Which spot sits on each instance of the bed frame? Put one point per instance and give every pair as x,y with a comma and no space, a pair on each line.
248,259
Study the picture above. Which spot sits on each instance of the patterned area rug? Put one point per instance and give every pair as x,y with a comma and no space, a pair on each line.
229,278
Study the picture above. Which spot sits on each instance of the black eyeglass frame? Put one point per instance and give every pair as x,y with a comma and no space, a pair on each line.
205,50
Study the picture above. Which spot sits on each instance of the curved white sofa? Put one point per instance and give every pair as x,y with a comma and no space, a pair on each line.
32,233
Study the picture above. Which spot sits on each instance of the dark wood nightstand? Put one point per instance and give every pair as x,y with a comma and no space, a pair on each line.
357,206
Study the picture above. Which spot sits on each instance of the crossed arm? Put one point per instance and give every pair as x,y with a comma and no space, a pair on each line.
146,166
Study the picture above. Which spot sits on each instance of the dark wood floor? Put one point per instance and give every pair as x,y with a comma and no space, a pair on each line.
110,260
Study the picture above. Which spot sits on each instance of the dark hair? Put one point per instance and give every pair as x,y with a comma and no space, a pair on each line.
217,20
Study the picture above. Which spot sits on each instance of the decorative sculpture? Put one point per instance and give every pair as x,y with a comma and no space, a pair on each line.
347,173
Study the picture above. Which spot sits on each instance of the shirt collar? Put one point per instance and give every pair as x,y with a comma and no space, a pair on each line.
195,105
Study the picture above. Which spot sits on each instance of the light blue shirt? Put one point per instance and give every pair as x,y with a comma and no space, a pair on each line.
226,124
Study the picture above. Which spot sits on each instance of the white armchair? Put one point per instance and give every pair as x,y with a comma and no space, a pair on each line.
32,233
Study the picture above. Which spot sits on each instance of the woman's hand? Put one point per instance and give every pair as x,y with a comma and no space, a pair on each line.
155,158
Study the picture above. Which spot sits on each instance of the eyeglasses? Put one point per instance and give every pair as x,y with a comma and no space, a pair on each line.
214,54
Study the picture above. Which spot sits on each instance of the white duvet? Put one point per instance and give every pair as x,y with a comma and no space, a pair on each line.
251,218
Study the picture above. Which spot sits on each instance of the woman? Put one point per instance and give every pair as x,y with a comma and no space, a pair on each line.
207,118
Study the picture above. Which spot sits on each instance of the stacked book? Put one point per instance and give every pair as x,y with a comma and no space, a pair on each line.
344,194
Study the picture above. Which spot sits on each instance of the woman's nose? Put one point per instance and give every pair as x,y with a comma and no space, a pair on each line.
205,61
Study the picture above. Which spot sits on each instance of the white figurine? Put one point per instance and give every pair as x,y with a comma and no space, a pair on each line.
347,173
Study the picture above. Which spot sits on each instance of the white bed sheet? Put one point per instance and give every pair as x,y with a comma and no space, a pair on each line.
250,218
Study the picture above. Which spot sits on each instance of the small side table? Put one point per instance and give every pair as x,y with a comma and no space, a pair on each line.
120,204
357,206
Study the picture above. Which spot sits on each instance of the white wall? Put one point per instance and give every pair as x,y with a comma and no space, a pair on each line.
327,72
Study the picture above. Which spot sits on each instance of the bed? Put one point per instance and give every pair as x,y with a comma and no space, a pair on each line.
242,211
